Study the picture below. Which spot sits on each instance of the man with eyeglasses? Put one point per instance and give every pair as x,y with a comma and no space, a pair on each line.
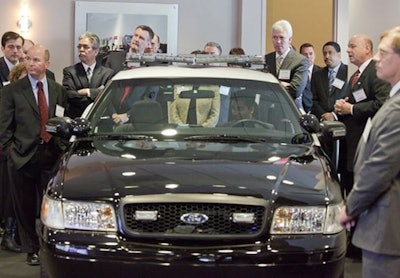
85,80
374,203
11,46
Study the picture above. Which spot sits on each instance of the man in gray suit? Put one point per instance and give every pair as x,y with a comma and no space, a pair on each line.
374,202
85,80
289,66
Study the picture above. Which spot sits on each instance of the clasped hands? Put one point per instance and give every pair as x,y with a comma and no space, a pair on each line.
343,107
120,118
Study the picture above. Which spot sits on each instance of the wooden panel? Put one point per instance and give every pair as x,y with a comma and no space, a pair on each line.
312,21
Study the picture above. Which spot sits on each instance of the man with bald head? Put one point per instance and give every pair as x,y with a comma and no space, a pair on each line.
365,95
25,47
25,106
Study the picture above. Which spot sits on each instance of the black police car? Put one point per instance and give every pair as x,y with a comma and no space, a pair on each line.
193,171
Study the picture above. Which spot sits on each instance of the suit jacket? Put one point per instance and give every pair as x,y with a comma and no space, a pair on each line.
75,78
116,60
4,71
50,74
307,95
298,66
207,109
376,92
20,119
323,99
375,197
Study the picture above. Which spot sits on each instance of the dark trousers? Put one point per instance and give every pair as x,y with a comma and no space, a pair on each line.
6,206
27,186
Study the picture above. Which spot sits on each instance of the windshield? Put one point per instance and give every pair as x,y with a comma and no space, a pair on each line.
196,109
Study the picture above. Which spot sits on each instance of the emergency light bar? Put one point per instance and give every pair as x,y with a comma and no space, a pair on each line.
195,59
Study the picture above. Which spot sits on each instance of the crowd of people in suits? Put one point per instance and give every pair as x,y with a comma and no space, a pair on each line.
28,155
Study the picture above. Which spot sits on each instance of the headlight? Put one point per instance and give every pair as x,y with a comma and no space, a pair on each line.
78,215
306,220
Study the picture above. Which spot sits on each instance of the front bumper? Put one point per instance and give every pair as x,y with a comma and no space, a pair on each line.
88,254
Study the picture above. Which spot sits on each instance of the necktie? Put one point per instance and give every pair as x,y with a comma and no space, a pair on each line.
331,78
278,64
125,94
44,112
355,78
89,73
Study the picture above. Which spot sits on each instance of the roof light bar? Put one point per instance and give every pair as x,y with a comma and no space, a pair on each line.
195,59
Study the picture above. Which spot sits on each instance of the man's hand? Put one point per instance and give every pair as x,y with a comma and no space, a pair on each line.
343,107
83,92
327,117
345,220
120,118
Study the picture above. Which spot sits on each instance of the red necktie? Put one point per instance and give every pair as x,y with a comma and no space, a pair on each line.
125,94
355,78
44,113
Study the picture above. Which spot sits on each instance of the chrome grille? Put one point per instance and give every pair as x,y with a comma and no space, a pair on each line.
169,222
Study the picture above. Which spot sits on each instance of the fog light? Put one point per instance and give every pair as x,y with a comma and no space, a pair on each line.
146,215
240,217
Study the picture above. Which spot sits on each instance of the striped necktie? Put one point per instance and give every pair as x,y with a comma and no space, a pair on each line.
89,73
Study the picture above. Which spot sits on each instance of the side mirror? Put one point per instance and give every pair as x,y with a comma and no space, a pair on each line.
66,127
333,129
310,123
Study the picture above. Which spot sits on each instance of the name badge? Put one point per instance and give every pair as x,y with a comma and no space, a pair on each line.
359,95
284,74
59,111
338,83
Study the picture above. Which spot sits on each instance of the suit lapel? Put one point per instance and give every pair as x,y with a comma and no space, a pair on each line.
29,95
82,75
52,98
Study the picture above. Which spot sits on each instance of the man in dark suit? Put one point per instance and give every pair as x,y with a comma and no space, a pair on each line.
374,203
324,93
308,51
11,46
290,67
141,41
328,85
365,95
86,79
33,153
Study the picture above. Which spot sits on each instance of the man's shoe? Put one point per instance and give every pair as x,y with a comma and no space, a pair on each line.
33,259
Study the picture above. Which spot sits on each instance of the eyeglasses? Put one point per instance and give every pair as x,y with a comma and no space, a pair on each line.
84,46
384,53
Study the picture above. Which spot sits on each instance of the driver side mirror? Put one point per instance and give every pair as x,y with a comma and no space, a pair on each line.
65,127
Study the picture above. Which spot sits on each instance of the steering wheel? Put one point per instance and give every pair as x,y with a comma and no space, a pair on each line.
252,122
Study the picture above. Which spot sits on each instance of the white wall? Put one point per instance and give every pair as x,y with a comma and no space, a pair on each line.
372,17
230,22
53,25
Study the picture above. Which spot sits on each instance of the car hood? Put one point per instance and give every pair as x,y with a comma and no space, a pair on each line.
112,169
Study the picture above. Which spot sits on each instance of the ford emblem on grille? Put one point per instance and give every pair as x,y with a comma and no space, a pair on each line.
194,218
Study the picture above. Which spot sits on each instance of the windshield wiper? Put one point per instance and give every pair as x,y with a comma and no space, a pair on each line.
112,136
225,138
